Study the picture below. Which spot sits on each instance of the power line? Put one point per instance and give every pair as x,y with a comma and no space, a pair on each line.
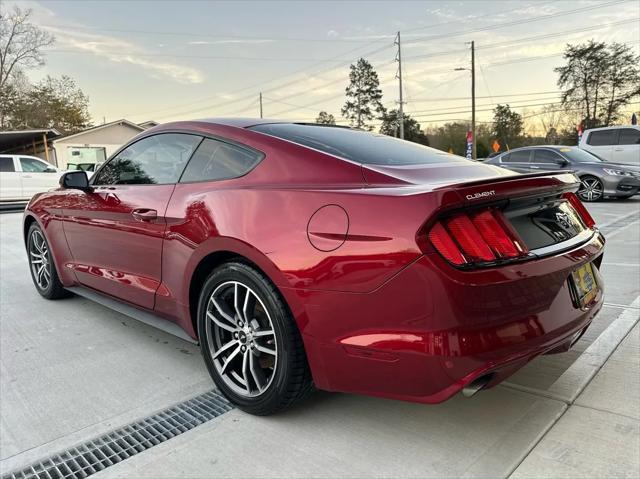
418,100
338,58
527,39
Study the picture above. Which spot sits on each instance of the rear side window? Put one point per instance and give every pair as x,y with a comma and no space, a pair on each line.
629,136
358,146
31,165
157,160
6,164
519,156
216,160
601,138
546,156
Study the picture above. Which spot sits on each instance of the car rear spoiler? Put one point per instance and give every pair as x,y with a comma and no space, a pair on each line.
518,186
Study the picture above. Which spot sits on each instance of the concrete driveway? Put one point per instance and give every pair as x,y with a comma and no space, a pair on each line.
73,370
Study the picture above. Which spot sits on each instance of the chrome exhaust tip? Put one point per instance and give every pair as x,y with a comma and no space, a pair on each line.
476,385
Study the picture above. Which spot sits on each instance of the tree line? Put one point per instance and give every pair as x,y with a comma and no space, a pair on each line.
597,83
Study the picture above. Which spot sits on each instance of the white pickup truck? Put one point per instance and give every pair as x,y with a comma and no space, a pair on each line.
618,144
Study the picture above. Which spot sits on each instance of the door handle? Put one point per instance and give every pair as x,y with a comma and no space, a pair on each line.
618,149
144,214
535,167
27,176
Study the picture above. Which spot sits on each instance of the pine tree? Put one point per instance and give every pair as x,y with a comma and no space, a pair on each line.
363,96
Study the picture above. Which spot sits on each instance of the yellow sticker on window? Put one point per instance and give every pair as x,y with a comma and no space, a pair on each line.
564,150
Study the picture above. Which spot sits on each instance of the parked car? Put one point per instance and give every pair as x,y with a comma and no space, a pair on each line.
304,255
22,176
598,178
619,144
90,168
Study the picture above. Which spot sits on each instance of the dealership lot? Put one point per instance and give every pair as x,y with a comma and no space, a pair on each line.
73,370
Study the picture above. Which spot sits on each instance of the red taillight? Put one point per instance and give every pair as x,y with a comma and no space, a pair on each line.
469,238
498,235
445,245
483,236
573,199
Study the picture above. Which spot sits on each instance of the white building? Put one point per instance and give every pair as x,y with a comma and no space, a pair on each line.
94,145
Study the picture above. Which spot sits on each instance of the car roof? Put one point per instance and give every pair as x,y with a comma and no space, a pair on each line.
614,127
537,147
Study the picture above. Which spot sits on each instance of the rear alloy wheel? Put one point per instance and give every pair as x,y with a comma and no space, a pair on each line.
591,189
43,270
250,342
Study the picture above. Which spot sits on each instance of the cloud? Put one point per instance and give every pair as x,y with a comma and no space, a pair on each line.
332,34
111,48
122,51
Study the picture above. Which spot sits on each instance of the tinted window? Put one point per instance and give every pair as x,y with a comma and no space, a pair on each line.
518,156
157,159
546,156
31,165
601,138
581,156
6,164
356,145
629,136
215,160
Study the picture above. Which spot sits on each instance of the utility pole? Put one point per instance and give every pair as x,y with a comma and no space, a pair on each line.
399,77
260,104
473,99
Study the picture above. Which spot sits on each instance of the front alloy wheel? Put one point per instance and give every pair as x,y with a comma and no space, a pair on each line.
250,341
41,265
591,189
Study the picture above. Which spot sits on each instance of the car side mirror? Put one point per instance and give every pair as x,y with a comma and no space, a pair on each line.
75,180
563,163
50,169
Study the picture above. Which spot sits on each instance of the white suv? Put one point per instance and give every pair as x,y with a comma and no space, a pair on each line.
22,176
618,144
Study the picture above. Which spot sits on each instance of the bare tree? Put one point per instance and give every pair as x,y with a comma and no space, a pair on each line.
21,43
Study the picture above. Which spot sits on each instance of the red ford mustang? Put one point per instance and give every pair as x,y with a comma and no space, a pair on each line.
303,255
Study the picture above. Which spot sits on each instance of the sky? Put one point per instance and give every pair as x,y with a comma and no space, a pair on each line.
171,60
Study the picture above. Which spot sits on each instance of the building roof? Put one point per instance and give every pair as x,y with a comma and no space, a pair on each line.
148,124
98,127
10,140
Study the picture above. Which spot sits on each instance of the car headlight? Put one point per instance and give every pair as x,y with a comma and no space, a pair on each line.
613,172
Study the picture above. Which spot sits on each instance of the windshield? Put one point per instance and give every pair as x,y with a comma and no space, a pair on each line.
580,156
356,145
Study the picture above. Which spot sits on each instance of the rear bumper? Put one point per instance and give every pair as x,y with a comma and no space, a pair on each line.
432,329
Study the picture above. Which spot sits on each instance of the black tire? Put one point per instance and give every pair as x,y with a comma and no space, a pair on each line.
53,289
290,378
591,189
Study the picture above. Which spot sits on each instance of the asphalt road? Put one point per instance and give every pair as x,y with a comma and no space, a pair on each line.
72,370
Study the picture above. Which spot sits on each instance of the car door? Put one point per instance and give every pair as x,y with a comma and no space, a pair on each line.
10,181
601,143
517,160
628,148
547,160
37,176
115,232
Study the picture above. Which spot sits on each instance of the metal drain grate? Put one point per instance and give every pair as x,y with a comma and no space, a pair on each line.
120,444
